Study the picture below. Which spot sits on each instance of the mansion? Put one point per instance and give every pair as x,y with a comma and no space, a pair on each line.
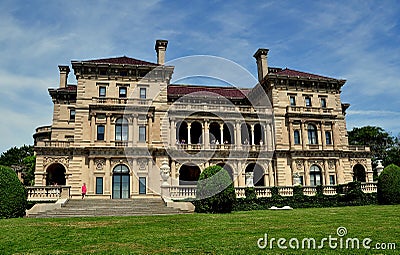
124,120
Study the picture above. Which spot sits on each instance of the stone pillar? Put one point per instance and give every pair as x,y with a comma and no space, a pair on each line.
238,141
135,137
206,133
306,173
221,128
335,137
107,177
271,174
303,135
319,137
265,136
291,135
188,133
130,133
326,173
149,128
108,128
173,133
91,178
323,138
269,137
252,134
93,127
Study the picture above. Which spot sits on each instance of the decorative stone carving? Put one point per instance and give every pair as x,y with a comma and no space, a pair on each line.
164,172
299,165
355,161
249,179
51,160
99,163
115,162
331,164
142,163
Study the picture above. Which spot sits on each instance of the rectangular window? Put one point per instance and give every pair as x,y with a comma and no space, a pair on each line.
328,137
292,101
296,137
142,134
72,115
332,180
122,92
100,133
142,93
323,102
142,185
102,91
308,101
99,185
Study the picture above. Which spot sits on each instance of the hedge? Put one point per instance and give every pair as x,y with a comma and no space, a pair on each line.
389,185
13,197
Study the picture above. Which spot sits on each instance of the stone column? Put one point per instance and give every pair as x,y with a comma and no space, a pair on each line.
252,134
173,133
108,128
303,135
188,133
136,130
91,178
306,173
149,128
265,135
269,137
107,177
93,127
221,128
319,137
206,133
271,174
291,135
323,138
326,173
238,140
130,133
335,135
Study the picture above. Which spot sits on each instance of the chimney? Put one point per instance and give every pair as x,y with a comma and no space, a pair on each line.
64,70
161,47
262,63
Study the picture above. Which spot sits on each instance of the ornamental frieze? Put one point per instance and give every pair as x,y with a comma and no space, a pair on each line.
355,161
51,160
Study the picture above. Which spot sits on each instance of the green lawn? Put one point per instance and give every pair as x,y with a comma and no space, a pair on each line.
235,233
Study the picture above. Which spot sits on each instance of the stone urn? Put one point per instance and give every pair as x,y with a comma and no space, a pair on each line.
164,172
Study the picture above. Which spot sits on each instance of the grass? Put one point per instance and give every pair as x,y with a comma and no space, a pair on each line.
235,233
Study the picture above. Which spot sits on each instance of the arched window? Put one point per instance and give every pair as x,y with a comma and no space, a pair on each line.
120,182
312,134
296,137
315,175
121,130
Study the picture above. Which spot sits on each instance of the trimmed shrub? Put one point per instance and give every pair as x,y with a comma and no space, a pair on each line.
298,190
13,199
389,185
215,191
250,193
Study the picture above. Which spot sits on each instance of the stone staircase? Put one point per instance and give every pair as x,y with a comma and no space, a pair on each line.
109,207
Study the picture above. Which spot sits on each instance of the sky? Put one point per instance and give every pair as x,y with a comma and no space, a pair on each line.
354,40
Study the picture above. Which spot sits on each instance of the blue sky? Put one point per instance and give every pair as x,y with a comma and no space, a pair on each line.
354,40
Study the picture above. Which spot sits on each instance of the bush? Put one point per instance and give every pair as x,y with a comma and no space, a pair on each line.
250,193
12,194
389,185
215,191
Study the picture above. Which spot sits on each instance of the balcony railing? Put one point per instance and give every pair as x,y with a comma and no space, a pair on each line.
53,143
218,108
113,100
48,193
304,109
220,147
43,129
358,148
189,191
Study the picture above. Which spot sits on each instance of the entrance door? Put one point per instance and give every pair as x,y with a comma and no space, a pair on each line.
120,182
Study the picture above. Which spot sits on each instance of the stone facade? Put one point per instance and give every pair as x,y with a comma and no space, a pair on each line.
123,118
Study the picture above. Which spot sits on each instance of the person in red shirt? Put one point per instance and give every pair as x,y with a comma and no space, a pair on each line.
84,189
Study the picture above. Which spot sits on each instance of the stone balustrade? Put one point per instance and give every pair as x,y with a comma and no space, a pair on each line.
129,101
48,193
189,191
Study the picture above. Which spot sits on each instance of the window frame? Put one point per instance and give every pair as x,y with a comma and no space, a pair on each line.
100,136
144,94
102,89
121,129
121,89
323,102
72,116
308,101
315,171
296,137
312,133
142,134
328,138
292,100
99,185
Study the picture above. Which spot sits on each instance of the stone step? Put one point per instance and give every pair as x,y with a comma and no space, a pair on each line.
110,207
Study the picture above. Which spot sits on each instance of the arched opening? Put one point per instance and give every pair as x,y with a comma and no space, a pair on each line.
258,173
359,173
258,134
245,133
121,129
215,133
120,182
55,174
227,168
228,134
196,133
315,175
182,132
312,134
189,174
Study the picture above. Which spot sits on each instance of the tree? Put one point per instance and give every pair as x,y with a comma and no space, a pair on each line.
215,191
376,138
22,159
